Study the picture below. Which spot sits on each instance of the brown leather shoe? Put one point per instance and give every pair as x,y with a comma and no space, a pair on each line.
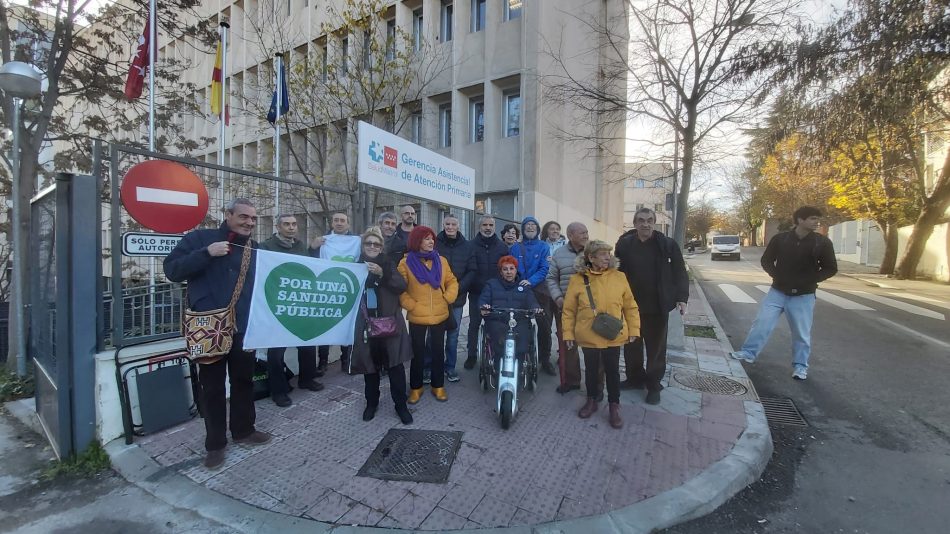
255,438
414,396
214,459
614,417
440,394
588,409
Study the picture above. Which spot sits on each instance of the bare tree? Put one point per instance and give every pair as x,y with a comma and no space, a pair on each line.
681,75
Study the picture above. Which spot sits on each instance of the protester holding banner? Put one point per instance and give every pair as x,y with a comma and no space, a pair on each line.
210,261
384,344
285,240
338,245
431,290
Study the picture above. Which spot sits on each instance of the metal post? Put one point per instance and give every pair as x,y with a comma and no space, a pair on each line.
17,228
152,46
222,135
278,65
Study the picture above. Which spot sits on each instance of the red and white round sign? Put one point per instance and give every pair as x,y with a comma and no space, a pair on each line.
164,196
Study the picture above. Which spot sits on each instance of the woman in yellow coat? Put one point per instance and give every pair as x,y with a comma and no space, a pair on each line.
611,291
431,290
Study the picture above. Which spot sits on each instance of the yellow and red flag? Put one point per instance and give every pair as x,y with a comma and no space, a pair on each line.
216,81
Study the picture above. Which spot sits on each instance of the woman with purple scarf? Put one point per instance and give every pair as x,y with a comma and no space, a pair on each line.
431,290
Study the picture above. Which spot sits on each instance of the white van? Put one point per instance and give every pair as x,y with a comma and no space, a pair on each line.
725,246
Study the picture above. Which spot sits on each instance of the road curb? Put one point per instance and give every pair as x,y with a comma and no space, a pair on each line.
868,281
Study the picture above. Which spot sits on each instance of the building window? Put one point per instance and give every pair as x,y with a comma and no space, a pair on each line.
658,208
367,46
512,9
639,207
445,125
325,61
638,183
478,15
417,29
447,20
390,39
344,56
512,118
415,127
476,112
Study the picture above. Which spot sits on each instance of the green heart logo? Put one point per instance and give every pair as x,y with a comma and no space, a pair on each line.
309,305
347,259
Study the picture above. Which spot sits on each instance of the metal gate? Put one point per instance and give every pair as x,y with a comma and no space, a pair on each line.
65,261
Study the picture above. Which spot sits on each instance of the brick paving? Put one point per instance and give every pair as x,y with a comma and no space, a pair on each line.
550,465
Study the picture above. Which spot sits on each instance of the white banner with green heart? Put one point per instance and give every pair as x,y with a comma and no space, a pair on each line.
301,301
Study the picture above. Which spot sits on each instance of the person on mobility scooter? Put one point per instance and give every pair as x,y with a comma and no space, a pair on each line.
502,299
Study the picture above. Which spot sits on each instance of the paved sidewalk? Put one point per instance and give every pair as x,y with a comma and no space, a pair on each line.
551,472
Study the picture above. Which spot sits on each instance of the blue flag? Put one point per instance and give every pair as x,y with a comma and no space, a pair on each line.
285,97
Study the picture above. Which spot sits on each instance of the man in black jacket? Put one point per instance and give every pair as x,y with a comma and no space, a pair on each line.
488,250
210,261
394,243
460,254
797,261
656,272
285,240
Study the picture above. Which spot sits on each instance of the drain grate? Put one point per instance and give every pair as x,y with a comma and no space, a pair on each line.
782,411
413,455
710,383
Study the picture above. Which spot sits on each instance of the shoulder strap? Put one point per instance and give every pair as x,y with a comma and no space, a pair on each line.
590,296
245,262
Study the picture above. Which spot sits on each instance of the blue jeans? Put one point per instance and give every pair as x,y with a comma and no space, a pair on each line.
451,343
799,312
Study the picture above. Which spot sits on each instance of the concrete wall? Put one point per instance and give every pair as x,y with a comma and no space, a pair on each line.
858,242
935,262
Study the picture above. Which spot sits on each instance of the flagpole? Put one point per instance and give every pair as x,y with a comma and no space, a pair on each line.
152,46
224,104
278,62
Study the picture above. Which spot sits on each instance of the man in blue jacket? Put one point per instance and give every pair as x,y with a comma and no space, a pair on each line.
488,250
210,261
532,254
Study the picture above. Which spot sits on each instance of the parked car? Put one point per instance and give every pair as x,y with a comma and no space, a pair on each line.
725,246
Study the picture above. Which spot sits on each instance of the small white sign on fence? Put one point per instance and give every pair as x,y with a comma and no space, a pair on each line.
148,243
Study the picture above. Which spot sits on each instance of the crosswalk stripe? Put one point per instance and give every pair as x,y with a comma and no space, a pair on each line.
910,308
841,302
735,294
928,300
763,288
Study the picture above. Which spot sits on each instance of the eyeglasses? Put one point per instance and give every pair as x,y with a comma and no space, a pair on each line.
374,244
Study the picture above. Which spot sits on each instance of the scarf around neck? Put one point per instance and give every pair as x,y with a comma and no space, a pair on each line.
431,276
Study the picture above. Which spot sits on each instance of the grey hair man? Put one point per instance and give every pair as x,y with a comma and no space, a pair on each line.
559,275
395,243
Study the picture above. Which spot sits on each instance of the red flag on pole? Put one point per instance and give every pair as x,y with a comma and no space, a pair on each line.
138,69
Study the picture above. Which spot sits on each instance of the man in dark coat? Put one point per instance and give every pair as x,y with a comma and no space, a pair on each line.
656,272
488,250
394,241
452,245
285,240
210,261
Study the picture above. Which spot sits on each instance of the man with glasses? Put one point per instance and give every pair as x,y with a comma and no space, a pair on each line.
408,214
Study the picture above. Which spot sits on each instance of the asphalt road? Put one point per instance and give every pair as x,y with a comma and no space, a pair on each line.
876,454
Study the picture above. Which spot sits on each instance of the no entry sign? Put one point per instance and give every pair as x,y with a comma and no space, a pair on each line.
164,196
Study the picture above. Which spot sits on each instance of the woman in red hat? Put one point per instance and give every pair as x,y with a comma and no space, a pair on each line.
432,288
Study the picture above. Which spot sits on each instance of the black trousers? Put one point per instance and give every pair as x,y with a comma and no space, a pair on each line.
238,366
324,352
653,327
474,321
277,380
545,323
609,358
417,333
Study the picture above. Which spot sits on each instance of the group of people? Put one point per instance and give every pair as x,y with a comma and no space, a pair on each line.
420,280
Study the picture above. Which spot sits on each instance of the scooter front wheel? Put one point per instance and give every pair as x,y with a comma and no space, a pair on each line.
507,405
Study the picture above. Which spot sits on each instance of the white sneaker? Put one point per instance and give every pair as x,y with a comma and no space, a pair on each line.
801,373
741,356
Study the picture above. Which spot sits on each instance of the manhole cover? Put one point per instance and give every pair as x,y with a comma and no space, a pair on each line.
710,383
413,455
782,411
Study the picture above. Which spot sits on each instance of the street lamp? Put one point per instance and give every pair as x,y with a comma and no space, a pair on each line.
19,81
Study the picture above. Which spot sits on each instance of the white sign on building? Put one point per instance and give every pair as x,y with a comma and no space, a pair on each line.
390,162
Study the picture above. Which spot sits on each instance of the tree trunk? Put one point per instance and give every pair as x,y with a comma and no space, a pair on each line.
682,201
890,247
934,208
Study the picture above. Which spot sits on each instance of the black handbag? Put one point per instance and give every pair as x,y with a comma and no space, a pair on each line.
605,325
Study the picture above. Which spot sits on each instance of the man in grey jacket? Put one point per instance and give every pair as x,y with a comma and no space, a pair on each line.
559,274
285,240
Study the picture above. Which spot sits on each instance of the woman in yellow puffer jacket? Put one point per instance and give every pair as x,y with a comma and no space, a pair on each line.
612,295
431,290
